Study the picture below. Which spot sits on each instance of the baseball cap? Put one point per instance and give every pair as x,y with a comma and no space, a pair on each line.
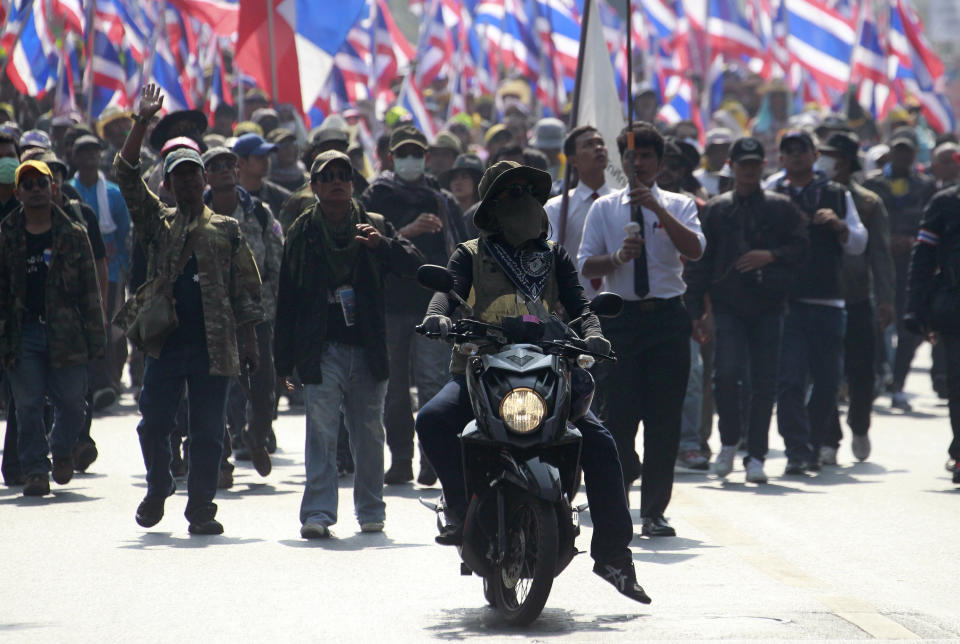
35,139
494,131
326,158
797,135
746,148
280,135
548,134
179,157
328,134
179,142
86,140
252,145
719,136
446,141
27,166
51,159
903,136
845,144
218,151
407,134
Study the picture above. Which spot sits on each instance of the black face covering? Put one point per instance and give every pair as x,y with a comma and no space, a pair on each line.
520,219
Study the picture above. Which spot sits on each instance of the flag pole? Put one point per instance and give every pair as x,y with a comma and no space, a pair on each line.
574,114
91,12
629,63
273,52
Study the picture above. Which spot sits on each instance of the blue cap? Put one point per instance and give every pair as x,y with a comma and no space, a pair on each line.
252,145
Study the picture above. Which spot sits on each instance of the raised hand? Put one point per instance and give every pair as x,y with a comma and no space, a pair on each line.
151,101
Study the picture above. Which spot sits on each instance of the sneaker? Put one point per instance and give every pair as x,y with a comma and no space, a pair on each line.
103,398
860,445
84,456
62,469
691,461
828,455
451,535
754,467
371,526
400,472
899,401
795,466
315,531
624,579
208,527
723,464
36,485
951,464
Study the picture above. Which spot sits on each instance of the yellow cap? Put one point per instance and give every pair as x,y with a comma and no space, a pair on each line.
32,164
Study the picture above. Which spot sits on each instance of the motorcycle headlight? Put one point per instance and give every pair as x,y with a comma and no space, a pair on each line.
523,410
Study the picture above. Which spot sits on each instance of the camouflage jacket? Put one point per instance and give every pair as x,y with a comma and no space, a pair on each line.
265,238
74,320
229,279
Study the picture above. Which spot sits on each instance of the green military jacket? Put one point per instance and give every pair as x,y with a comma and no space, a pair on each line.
74,317
229,279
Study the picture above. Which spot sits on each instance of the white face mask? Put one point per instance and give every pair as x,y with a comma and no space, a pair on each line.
409,168
826,165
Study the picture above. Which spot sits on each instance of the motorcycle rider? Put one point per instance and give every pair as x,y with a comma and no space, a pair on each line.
512,250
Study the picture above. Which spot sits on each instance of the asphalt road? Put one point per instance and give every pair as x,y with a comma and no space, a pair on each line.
860,551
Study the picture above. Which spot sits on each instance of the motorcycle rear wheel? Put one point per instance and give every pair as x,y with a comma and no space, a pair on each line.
522,582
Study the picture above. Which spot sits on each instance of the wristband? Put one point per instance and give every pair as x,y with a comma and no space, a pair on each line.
137,118
616,259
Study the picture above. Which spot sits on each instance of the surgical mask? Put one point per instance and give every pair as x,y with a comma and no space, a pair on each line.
826,165
8,169
520,219
409,168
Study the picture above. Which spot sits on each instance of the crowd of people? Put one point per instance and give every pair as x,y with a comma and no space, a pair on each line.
786,262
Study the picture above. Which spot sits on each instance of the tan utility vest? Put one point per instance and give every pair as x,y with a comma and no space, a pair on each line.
493,296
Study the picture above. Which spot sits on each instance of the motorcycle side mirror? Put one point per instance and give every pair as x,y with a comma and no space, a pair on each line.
435,278
607,305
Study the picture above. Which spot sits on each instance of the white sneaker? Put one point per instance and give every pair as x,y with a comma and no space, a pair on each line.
314,531
899,401
828,455
371,526
723,464
861,447
755,471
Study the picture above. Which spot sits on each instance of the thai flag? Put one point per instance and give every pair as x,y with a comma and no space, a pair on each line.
32,67
138,29
222,16
682,105
821,40
13,23
918,68
72,14
768,19
869,67
729,33
355,59
391,55
436,48
65,98
109,76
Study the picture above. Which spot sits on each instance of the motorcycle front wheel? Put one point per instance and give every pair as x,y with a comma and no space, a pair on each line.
522,582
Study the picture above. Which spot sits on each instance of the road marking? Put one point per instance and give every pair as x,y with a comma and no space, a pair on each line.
859,613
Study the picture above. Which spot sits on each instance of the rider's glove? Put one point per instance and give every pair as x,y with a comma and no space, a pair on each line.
598,344
437,324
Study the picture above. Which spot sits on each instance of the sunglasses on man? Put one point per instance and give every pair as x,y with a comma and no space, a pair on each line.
329,176
217,166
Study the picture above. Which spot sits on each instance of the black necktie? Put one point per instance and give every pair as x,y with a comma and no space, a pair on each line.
596,282
641,280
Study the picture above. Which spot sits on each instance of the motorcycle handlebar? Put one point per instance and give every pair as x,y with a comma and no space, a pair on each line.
566,347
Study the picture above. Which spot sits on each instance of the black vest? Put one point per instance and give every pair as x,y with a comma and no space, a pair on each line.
820,274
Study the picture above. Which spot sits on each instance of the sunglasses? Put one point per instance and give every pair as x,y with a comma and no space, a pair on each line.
334,175
40,183
217,166
517,190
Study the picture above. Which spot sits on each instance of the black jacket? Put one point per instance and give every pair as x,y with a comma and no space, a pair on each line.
935,264
401,203
302,302
734,225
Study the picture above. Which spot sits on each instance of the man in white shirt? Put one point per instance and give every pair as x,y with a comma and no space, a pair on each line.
651,337
587,154
811,350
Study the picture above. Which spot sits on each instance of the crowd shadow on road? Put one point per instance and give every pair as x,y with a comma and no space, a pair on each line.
411,492
157,540
468,623
21,626
252,489
55,497
763,489
352,543
667,550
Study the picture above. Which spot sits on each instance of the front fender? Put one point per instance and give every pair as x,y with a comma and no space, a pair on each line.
536,476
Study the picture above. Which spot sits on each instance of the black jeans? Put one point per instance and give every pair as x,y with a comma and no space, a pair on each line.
951,343
258,409
648,382
907,342
859,369
745,378
440,422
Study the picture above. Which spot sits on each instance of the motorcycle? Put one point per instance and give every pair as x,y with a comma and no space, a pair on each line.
528,382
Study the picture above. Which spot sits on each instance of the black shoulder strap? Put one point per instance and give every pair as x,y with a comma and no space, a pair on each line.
261,214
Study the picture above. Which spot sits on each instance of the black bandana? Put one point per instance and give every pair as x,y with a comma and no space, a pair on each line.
528,268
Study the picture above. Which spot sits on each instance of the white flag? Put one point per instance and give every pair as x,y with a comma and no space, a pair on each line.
599,103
